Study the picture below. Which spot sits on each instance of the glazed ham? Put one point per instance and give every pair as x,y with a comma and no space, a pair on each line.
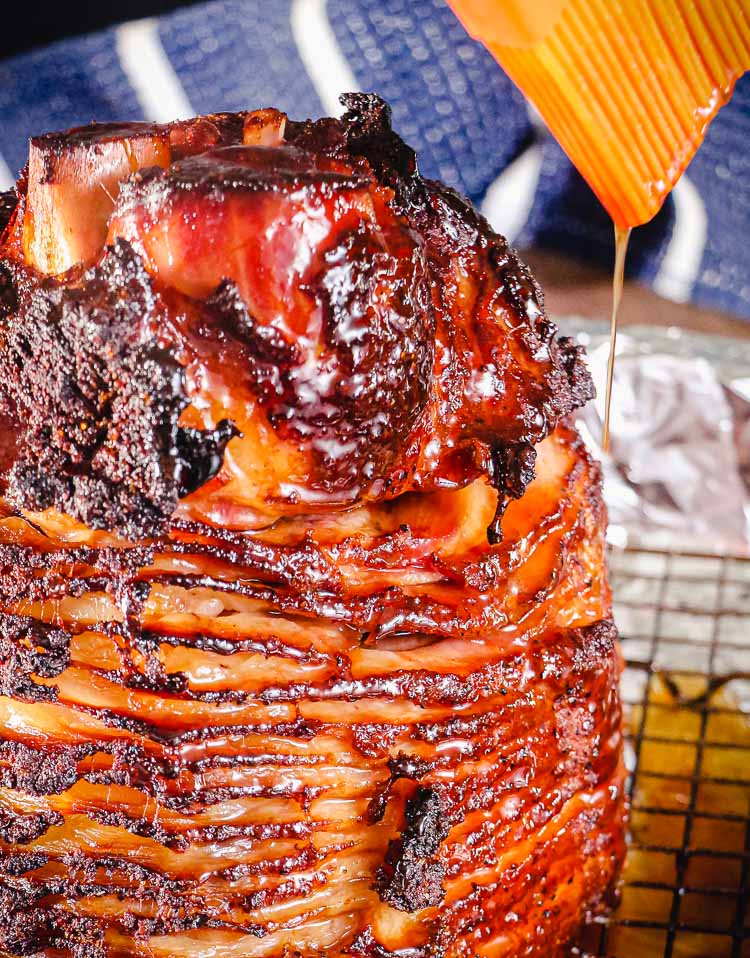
306,640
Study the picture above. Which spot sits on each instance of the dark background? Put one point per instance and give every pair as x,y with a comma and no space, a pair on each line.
38,22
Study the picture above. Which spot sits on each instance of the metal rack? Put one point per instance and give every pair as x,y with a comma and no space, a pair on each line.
685,627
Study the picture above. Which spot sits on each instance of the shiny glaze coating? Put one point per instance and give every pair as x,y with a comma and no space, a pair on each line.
305,634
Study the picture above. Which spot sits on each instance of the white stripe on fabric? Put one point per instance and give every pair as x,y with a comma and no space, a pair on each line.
321,54
6,177
152,76
508,200
683,257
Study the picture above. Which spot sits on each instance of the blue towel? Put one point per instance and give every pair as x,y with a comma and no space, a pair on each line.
450,100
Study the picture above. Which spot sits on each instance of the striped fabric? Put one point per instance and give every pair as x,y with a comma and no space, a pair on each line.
450,100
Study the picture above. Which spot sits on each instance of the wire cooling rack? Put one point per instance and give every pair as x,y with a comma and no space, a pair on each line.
684,622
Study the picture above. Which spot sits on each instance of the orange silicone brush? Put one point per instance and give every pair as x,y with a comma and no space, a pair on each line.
628,87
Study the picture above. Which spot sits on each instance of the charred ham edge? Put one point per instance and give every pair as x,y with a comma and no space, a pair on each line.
96,403
512,471
429,206
411,878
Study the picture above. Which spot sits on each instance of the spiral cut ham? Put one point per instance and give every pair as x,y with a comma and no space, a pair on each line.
305,635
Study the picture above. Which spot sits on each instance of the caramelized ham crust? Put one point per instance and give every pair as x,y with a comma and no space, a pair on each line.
305,634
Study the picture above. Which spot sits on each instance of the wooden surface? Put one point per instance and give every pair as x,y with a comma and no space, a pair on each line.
574,289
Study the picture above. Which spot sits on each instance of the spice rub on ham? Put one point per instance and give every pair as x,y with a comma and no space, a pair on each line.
305,633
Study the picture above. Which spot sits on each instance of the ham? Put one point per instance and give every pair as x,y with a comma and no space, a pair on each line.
306,636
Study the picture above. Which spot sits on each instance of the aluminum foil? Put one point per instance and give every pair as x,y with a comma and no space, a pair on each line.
678,472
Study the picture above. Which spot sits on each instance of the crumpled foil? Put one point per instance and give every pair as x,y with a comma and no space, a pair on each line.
678,472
